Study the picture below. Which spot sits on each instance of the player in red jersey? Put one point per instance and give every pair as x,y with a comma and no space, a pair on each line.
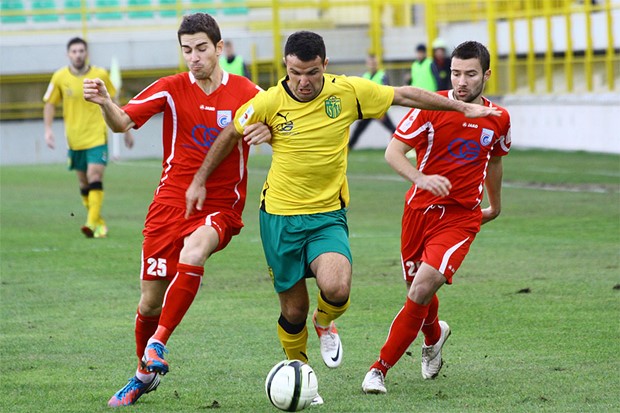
196,105
456,158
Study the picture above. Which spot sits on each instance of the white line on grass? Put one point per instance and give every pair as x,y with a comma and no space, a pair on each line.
542,186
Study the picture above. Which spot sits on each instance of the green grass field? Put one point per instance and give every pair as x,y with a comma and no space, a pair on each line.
534,310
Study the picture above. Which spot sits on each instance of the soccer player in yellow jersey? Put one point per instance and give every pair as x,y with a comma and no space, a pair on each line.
85,130
303,203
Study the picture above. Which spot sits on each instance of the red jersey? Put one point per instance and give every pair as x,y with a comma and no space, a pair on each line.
192,121
456,147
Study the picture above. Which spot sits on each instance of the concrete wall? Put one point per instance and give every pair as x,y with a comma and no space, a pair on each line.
588,123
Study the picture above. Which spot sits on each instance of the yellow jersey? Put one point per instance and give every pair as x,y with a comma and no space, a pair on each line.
84,124
309,141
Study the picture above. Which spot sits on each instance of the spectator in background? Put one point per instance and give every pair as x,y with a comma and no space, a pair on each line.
421,74
85,130
441,65
231,62
380,77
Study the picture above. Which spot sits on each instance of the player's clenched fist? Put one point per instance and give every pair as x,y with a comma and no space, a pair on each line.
95,91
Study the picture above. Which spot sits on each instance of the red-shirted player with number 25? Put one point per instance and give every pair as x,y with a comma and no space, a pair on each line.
196,106
456,158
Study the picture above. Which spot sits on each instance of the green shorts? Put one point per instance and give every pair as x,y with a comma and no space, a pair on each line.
292,242
79,160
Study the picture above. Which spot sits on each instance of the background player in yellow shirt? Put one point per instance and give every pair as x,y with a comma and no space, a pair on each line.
304,199
85,130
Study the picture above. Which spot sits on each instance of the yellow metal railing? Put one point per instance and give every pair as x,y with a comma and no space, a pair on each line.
511,29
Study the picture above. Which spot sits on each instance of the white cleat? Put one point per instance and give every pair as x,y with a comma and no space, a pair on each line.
331,347
374,382
317,401
431,355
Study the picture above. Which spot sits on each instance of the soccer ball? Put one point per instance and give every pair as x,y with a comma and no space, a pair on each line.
291,385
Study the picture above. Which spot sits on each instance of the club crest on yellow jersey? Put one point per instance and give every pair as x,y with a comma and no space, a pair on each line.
333,107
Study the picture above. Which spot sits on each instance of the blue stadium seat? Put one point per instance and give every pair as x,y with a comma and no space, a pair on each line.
44,5
11,5
203,6
141,14
108,15
170,12
234,10
73,6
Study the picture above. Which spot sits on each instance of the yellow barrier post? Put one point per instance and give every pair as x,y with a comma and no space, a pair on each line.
375,30
589,55
609,55
531,58
277,48
512,51
549,52
492,28
568,54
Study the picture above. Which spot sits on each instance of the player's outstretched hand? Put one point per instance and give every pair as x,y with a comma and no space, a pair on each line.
478,111
95,91
194,198
256,133
436,184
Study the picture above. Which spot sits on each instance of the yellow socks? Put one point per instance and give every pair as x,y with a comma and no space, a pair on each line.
294,339
95,201
328,312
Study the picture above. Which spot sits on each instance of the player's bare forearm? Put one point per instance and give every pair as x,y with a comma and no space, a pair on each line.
48,119
196,193
257,133
116,118
396,157
225,142
493,185
48,115
414,97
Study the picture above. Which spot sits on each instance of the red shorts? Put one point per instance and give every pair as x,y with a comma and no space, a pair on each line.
165,230
439,236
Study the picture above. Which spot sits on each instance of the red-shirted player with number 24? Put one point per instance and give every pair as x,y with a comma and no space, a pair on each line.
456,158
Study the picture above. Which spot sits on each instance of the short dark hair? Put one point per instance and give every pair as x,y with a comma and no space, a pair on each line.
305,45
200,23
421,48
473,50
77,40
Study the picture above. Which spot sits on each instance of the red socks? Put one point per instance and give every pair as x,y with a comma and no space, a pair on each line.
145,327
179,297
403,331
431,329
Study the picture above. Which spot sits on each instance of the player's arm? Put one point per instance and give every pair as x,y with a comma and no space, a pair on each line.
493,185
127,136
228,138
48,120
396,157
115,117
414,97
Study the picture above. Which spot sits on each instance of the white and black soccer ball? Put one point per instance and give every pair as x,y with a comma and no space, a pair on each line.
291,385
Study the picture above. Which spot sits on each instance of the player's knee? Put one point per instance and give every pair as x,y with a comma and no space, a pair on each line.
337,292
295,314
423,292
149,306
193,256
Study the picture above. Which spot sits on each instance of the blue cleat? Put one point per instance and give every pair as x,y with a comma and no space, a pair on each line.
153,359
132,391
